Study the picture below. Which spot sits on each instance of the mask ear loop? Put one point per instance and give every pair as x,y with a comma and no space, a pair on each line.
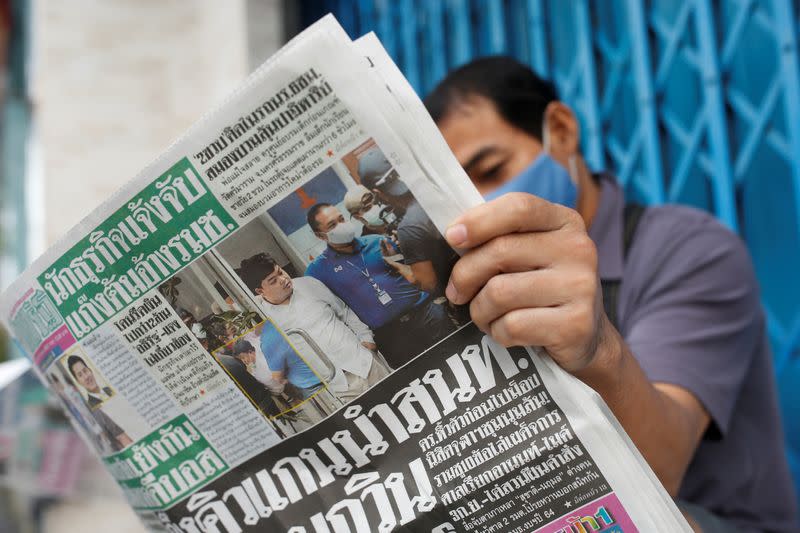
545,136
572,165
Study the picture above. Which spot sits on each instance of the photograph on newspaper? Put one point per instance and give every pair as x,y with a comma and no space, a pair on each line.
322,295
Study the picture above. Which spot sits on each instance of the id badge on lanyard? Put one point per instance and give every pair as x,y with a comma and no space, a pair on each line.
383,297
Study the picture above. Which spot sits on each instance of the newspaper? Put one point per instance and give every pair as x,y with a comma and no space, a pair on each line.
251,347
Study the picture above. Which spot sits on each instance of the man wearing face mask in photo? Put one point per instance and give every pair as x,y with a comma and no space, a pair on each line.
360,202
675,340
424,249
404,319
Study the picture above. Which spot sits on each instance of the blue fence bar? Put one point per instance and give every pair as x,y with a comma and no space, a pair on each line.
787,24
491,21
652,183
460,36
721,166
537,37
385,26
693,101
587,91
436,63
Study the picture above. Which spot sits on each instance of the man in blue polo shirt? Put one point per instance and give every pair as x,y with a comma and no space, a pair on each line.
359,270
286,365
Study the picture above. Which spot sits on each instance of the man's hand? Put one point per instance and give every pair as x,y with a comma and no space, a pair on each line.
388,248
391,256
530,270
371,346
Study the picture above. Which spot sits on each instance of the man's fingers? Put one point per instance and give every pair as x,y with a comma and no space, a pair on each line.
516,253
527,327
511,213
508,292
551,327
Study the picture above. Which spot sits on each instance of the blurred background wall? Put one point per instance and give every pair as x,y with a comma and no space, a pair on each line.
689,101
115,82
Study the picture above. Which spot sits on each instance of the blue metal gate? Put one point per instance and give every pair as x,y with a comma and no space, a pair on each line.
688,101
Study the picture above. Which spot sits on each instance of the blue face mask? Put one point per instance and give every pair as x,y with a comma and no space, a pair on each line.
545,178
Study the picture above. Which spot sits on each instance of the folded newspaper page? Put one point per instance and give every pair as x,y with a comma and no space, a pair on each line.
252,333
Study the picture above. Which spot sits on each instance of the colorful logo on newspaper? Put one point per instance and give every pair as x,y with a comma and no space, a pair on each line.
167,225
599,520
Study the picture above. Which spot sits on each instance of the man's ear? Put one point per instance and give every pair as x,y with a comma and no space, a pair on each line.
321,236
561,132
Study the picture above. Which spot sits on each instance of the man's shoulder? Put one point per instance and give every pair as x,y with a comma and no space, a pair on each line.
272,341
670,227
676,244
309,285
316,267
415,216
680,216
369,240
370,244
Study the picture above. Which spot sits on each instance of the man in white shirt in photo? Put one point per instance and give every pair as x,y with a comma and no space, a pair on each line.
306,304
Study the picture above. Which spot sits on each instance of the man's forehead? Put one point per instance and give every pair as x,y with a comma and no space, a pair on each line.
330,212
471,126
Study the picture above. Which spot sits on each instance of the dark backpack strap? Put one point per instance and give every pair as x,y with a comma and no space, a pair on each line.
631,216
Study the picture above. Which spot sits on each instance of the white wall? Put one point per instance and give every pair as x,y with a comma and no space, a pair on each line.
115,82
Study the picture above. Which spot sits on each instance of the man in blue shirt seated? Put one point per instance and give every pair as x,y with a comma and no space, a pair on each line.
359,270
286,365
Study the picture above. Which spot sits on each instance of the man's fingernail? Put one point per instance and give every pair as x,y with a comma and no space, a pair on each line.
451,292
456,235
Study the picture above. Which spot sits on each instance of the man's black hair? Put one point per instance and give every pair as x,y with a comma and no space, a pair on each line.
311,216
73,360
255,269
520,96
242,346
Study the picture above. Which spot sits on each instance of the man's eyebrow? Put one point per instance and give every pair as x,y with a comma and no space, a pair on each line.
482,153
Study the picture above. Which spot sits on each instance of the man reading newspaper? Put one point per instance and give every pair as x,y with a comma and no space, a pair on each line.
685,364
